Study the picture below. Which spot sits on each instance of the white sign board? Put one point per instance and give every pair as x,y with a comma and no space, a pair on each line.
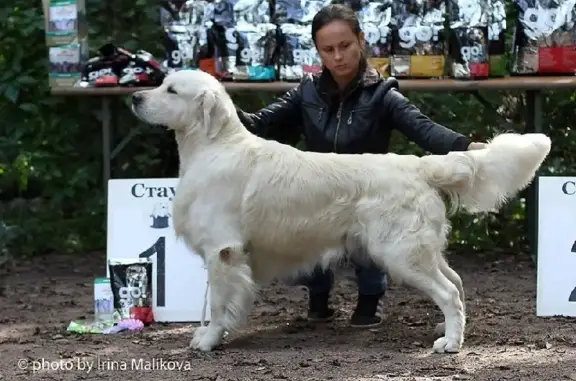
140,226
556,246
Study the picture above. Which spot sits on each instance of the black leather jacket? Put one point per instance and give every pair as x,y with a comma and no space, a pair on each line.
359,121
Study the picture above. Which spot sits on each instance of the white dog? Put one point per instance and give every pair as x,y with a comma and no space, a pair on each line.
256,209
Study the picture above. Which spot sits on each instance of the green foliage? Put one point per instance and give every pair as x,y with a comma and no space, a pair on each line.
51,191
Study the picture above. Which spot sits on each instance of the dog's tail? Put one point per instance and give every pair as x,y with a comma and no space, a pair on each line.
482,180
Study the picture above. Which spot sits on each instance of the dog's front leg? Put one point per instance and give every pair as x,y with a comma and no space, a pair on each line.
232,294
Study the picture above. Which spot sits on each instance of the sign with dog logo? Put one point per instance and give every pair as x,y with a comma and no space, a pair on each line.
140,226
556,246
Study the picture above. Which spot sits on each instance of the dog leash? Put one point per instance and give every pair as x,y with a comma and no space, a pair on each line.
203,318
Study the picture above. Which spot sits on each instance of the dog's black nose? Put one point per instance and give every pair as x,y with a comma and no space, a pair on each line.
137,99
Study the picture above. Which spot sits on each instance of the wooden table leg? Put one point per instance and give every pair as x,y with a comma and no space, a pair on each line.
533,124
106,141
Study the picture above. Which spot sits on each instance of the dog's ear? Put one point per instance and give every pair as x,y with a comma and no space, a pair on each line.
214,113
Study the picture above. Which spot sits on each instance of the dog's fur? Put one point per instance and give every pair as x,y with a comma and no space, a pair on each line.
256,209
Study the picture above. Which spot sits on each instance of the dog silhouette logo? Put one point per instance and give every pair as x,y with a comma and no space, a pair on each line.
160,216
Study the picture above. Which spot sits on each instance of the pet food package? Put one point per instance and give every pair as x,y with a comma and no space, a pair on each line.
375,21
251,52
545,37
186,27
224,38
418,40
103,300
131,284
497,38
468,42
116,66
245,40
187,47
298,55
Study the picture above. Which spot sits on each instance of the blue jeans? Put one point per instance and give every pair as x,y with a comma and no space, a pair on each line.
371,279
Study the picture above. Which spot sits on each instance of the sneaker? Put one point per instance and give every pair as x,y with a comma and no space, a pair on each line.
366,313
318,310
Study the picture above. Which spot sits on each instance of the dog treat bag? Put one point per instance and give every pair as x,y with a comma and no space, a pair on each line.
375,18
418,40
131,283
497,38
468,43
545,37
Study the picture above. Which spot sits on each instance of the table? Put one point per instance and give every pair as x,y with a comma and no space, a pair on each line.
533,86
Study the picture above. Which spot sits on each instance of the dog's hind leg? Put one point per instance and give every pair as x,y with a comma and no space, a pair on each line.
454,278
232,293
420,269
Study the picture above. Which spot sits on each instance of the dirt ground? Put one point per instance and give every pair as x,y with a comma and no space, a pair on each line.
504,338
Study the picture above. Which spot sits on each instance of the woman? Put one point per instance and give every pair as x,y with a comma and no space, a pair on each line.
348,108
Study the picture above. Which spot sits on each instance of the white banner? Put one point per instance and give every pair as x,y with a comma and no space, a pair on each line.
556,246
140,226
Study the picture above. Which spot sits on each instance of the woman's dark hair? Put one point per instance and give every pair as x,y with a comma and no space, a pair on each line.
335,12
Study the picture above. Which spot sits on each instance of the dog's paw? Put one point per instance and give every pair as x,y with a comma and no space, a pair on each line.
440,329
445,345
198,334
205,340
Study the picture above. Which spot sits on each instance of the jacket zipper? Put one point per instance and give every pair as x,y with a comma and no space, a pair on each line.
338,116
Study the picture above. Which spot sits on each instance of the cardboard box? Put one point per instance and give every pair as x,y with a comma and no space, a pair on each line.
66,63
65,22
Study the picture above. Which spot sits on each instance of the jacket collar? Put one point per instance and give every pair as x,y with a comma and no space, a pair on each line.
367,76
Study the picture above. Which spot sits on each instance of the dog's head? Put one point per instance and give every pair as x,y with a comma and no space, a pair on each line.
188,101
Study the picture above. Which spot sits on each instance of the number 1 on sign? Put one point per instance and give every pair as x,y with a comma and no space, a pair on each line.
158,248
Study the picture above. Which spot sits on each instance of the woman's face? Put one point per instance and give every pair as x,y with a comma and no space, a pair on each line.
339,48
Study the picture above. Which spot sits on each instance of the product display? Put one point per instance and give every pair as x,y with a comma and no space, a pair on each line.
468,43
270,40
545,37
375,21
418,40
131,282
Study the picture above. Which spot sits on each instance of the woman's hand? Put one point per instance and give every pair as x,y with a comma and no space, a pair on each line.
476,145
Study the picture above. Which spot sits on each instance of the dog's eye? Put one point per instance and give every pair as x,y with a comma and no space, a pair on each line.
171,90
